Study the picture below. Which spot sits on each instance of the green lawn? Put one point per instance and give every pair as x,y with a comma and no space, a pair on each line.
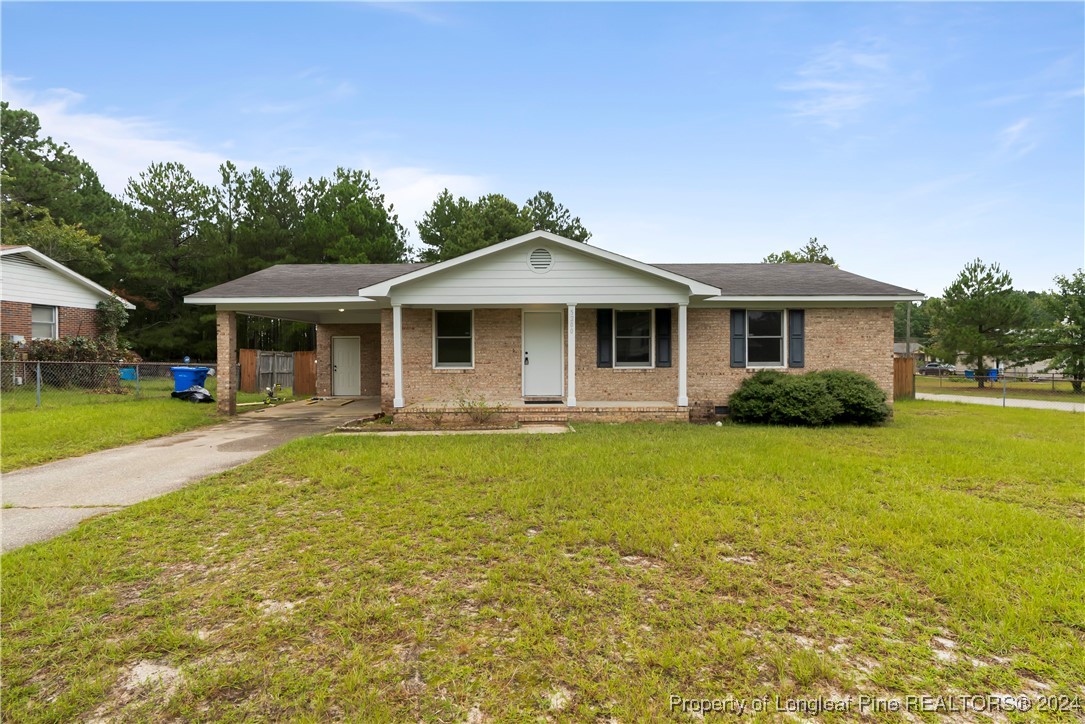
581,576
1059,391
74,422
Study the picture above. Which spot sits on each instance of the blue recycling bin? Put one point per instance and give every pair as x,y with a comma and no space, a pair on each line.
185,377
128,373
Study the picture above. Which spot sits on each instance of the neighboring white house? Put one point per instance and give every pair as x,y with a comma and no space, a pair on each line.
42,299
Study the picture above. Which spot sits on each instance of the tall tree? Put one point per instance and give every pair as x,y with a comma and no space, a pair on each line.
811,253
544,213
1058,336
457,226
979,317
52,200
175,248
347,220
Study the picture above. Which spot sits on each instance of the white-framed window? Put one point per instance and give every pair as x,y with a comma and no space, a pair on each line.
765,336
453,338
633,336
43,322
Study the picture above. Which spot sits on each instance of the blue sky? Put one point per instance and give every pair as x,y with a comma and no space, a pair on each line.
910,138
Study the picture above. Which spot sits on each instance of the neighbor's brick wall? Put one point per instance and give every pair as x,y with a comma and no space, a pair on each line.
496,374
618,384
857,339
15,318
371,364
77,322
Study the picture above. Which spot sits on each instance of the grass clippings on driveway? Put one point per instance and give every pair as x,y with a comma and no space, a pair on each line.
582,576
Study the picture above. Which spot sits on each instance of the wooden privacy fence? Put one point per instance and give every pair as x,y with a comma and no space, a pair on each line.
903,378
304,373
292,370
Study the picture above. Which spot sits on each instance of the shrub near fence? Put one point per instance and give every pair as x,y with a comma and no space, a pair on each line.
31,383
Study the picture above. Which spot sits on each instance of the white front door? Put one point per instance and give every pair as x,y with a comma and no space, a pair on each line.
542,354
347,366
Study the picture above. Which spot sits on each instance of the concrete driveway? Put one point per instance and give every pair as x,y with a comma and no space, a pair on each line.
50,499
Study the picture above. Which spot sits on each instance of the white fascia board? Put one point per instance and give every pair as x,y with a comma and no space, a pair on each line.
59,268
820,298
383,289
278,301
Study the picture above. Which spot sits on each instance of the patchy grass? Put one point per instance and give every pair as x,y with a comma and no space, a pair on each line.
74,422
35,436
1058,391
581,576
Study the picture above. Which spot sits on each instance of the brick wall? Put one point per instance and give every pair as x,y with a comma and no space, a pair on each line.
371,363
77,322
857,339
15,318
616,384
496,373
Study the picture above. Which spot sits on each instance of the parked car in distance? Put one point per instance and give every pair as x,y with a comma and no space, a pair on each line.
937,368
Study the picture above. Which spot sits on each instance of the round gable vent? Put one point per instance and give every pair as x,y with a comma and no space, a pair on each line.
540,260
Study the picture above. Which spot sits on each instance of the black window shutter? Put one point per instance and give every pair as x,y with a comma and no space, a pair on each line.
796,323
604,333
738,337
663,337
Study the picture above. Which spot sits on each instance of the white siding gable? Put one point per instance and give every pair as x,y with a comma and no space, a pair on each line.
507,277
22,280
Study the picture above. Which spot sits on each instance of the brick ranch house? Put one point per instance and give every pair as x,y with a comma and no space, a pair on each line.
556,328
42,299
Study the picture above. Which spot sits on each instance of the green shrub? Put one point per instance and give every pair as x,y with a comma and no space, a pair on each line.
862,400
803,400
752,401
812,399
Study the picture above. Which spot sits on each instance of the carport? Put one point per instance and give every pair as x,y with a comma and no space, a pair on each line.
348,327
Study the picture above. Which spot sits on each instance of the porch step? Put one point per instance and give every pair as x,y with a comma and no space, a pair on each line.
543,419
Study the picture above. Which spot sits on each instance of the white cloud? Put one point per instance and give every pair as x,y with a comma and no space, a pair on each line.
117,147
413,189
1016,138
839,81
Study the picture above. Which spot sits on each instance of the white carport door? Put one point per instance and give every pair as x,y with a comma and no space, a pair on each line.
347,366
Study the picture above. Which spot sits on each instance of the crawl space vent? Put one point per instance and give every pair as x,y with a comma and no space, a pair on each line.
540,260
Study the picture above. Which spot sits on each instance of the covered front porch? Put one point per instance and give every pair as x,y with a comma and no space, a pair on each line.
534,361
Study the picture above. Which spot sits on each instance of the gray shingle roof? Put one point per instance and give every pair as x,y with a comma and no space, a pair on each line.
308,280
773,280
344,280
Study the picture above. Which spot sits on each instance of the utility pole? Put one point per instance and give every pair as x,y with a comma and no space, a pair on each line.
908,329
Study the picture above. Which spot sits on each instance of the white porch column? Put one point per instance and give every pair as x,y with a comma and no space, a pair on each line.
683,399
570,351
397,355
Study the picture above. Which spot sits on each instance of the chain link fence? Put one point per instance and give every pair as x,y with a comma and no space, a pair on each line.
1004,389
28,383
